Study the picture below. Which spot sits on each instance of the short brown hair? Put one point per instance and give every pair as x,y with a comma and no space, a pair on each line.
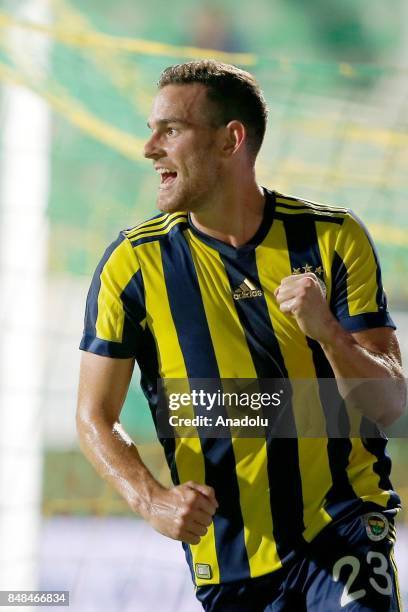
234,92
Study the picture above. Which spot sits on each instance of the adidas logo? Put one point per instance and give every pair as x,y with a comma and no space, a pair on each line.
246,290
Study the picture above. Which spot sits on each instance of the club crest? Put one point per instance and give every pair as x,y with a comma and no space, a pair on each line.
376,525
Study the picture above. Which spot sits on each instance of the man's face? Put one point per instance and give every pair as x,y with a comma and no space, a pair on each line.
183,147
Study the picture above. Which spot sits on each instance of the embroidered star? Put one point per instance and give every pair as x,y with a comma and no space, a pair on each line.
296,271
319,270
307,268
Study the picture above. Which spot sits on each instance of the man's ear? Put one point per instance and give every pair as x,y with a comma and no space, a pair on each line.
234,135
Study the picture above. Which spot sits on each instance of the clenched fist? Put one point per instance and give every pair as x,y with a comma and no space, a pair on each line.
183,512
303,296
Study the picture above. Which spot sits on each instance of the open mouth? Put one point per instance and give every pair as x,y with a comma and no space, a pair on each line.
167,177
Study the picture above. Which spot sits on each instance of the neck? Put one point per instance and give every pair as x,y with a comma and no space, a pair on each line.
233,215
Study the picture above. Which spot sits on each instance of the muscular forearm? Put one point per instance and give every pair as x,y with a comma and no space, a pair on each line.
383,398
372,359
117,460
182,513
350,360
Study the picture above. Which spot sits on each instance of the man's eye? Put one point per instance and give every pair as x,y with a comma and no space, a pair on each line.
171,131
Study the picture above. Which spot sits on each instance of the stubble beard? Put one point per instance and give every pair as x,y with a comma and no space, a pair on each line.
170,203
185,199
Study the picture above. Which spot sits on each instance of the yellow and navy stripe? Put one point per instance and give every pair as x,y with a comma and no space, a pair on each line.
284,486
115,304
163,294
160,225
188,312
303,245
290,206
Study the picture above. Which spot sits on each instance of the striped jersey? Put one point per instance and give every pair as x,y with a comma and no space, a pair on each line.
186,305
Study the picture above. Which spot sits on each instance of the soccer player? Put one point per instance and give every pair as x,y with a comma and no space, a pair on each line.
235,281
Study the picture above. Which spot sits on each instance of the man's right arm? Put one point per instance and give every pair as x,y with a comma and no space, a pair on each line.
183,512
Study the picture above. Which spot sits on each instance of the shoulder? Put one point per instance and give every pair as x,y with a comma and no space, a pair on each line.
124,252
340,225
159,227
291,208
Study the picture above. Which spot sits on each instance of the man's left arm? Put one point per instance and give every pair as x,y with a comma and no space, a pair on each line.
369,354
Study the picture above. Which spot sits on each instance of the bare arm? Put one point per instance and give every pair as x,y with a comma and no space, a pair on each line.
372,354
183,512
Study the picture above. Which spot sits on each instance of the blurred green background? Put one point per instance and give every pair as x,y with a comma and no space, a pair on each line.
335,79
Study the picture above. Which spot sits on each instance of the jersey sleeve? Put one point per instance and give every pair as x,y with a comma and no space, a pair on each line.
115,313
358,298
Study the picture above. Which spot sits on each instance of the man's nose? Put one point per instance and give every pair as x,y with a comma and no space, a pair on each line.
152,150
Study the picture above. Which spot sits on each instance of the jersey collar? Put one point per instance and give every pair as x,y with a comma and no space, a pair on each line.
257,238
